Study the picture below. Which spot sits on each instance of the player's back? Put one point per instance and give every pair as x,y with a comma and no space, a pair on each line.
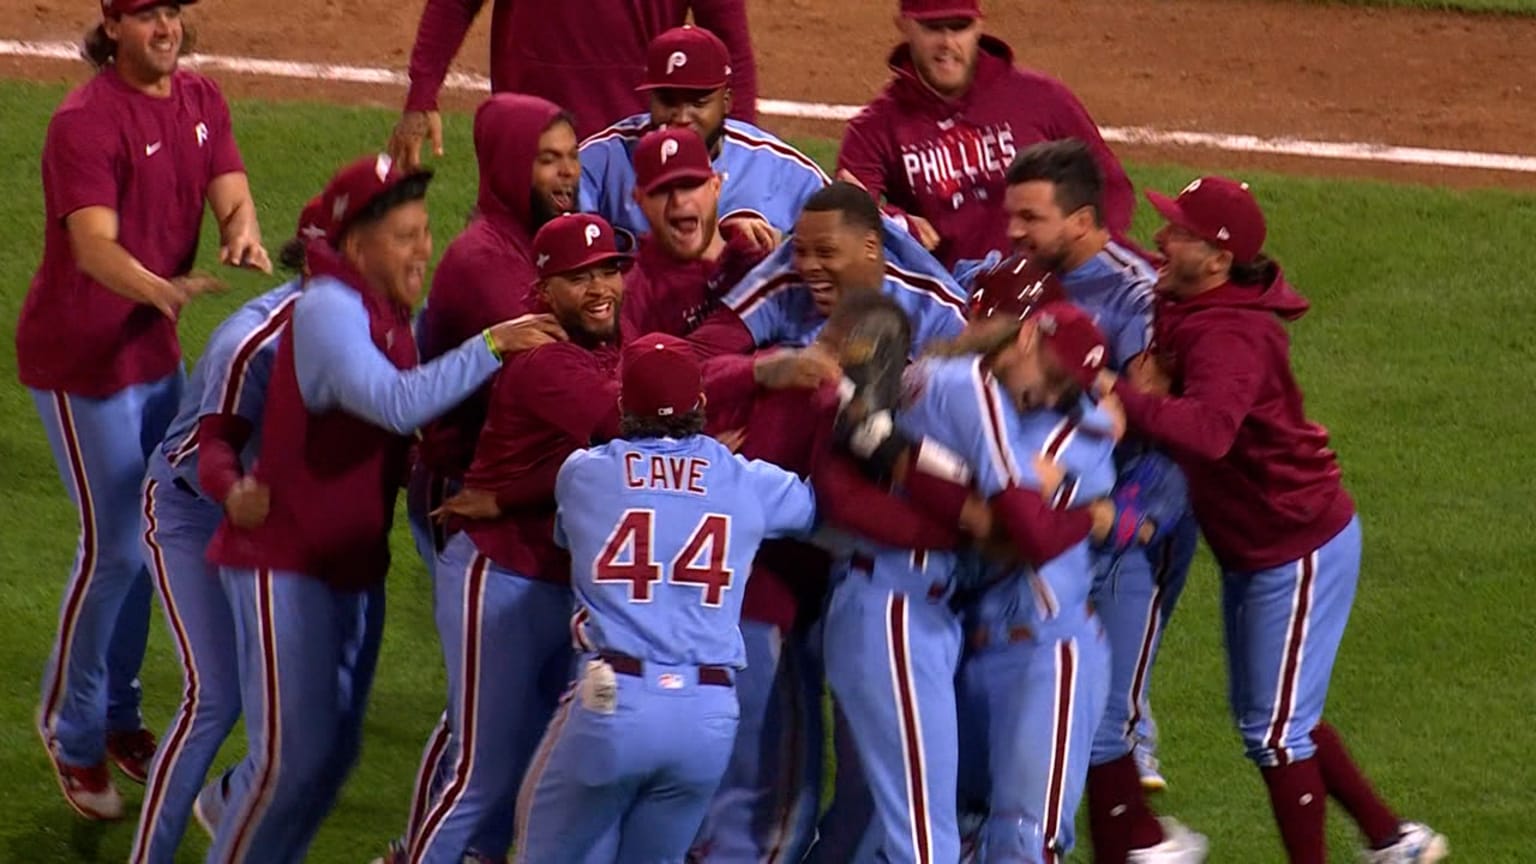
662,533
1116,288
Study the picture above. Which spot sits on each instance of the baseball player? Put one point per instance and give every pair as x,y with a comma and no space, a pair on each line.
131,157
936,142
1221,398
690,82
840,245
685,260
196,477
893,604
1053,200
306,584
662,526
502,588
526,149
584,56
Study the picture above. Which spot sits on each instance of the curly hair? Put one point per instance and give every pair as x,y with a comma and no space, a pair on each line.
633,427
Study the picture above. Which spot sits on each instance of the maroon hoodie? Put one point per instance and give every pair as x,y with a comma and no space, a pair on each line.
486,275
1265,486
586,56
946,160
663,294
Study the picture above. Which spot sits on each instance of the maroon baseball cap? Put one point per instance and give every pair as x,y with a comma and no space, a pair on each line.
687,58
1220,211
1074,340
312,222
671,155
356,186
116,8
1013,288
659,377
938,10
574,241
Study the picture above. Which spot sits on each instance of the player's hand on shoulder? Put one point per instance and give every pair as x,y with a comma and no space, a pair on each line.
1148,375
924,231
247,503
469,504
169,295
803,368
755,231
526,332
245,250
410,132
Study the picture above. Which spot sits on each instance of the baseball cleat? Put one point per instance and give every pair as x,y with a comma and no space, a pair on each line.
1150,770
132,752
1416,844
89,790
1180,846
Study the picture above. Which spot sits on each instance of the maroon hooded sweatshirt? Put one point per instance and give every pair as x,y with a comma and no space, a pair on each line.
586,56
947,160
1265,486
663,294
333,476
486,275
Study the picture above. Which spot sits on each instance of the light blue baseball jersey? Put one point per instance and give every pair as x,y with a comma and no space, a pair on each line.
778,309
762,176
662,533
1115,287
231,378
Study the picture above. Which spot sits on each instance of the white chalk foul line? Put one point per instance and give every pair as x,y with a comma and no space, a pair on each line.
1142,135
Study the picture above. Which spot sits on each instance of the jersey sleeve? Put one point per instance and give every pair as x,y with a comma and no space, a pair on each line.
80,162
565,482
338,366
444,24
788,504
982,423
1135,330
761,298
241,367
221,136
597,167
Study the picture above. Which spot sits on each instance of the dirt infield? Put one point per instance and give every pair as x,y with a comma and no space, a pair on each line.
1239,66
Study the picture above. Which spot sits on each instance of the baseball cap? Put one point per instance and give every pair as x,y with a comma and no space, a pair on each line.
938,10
687,58
1013,288
574,241
666,156
1074,340
312,221
356,186
1219,210
114,8
659,377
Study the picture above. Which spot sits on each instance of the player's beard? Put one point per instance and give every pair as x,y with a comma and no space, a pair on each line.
540,211
713,139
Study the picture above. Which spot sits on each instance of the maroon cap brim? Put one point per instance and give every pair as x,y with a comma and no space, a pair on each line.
689,174
965,12
702,88
128,7
1169,209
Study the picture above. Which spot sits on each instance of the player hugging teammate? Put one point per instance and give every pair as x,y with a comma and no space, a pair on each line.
934,438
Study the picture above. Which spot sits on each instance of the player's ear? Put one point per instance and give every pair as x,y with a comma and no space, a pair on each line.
726,99
872,242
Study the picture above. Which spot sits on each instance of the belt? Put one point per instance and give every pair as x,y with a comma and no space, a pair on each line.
981,637
623,664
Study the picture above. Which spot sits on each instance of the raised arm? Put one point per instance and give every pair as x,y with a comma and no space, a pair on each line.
1222,372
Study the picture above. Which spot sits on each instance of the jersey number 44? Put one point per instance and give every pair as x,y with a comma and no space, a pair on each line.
627,557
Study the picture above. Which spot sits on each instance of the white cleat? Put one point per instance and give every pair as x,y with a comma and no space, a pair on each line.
1180,846
1149,770
1416,844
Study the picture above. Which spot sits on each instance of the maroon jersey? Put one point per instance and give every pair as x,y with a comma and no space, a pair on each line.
1265,486
150,159
946,160
486,275
545,404
587,56
333,476
665,295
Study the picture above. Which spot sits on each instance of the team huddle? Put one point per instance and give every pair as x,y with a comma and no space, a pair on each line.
690,435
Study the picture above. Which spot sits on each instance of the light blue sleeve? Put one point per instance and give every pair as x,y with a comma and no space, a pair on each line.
967,270
788,504
761,298
338,366
218,358
1134,319
608,183
565,482
962,408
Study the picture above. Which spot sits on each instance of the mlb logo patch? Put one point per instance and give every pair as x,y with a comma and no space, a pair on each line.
670,681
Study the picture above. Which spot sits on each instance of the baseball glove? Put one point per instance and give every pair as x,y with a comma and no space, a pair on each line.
1151,492
873,356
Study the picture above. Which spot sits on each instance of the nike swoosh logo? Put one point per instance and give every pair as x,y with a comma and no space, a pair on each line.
152,149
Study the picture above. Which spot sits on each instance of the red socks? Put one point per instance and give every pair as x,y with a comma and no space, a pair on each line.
1350,788
1299,798
1119,819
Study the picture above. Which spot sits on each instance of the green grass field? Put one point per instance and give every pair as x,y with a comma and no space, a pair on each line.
1417,355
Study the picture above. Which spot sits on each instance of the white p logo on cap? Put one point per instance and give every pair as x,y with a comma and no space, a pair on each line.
593,233
1095,357
668,149
676,61
382,165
